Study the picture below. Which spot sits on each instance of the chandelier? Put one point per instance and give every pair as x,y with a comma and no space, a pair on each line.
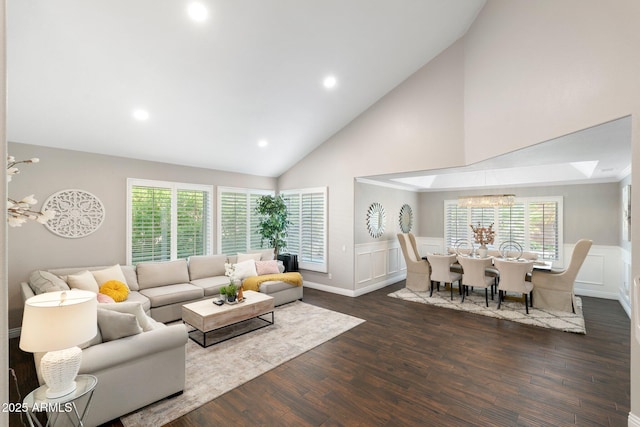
486,201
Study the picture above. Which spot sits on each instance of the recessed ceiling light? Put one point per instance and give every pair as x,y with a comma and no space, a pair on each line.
329,82
140,114
263,143
198,12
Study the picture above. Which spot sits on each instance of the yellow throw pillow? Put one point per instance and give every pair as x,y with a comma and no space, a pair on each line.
115,289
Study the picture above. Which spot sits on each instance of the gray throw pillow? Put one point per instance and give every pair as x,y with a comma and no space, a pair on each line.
115,325
43,281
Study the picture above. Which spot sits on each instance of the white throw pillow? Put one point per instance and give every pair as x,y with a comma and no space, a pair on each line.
111,273
84,281
245,269
134,308
244,257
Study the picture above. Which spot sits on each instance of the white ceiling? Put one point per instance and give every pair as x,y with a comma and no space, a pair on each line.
598,154
253,70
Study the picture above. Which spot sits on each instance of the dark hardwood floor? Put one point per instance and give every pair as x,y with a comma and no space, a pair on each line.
415,364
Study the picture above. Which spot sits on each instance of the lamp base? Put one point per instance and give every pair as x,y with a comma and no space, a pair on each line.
59,370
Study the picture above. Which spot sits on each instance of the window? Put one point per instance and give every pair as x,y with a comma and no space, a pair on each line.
238,220
307,235
167,220
534,223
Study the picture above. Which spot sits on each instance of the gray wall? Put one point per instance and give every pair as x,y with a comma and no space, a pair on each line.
33,246
392,200
591,211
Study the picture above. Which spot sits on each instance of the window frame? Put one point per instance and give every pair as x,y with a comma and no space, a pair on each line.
248,192
174,187
527,201
303,262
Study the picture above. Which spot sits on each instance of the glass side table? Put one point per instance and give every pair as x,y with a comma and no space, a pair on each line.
37,401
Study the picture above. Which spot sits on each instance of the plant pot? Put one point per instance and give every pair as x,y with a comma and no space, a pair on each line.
231,298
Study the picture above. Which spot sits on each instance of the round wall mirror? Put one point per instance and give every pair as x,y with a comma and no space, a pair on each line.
406,218
376,219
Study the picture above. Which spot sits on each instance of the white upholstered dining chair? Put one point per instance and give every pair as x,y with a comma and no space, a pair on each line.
474,274
441,271
418,269
513,278
554,289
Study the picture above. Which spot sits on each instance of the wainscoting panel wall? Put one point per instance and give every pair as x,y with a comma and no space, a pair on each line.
378,264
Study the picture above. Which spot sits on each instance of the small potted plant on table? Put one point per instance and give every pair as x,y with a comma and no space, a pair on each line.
231,293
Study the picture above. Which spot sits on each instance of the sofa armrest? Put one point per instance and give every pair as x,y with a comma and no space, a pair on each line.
105,355
26,290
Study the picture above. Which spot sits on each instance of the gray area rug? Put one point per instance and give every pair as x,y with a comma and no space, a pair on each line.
298,328
509,310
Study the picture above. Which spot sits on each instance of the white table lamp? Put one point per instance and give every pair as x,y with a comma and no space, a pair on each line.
56,322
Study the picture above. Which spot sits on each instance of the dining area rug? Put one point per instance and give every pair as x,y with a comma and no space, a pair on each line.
513,311
298,327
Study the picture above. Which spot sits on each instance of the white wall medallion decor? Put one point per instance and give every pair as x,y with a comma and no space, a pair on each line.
376,220
78,213
406,218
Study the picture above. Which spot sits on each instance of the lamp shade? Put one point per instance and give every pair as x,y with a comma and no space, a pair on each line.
58,320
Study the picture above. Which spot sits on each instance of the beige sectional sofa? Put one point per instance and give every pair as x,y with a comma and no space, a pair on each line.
127,368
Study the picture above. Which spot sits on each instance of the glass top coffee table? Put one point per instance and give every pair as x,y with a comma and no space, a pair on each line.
214,324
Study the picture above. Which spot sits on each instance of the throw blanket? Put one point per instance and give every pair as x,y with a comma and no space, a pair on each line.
253,283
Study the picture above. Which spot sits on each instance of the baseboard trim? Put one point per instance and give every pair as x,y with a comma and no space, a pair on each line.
596,294
634,420
351,292
14,333
330,289
379,285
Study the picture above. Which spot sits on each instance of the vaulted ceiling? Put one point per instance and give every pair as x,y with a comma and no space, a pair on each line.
239,87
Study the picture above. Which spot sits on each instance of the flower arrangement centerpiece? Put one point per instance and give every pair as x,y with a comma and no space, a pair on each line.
233,290
19,211
484,236
230,272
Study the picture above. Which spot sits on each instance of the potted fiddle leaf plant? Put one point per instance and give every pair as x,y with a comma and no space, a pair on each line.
273,222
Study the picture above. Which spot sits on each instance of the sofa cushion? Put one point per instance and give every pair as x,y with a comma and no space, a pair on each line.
172,294
43,281
115,325
83,280
243,257
115,289
273,286
140,299
202,266
145,322
129,272
265,254
211,285
267,267
154,274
